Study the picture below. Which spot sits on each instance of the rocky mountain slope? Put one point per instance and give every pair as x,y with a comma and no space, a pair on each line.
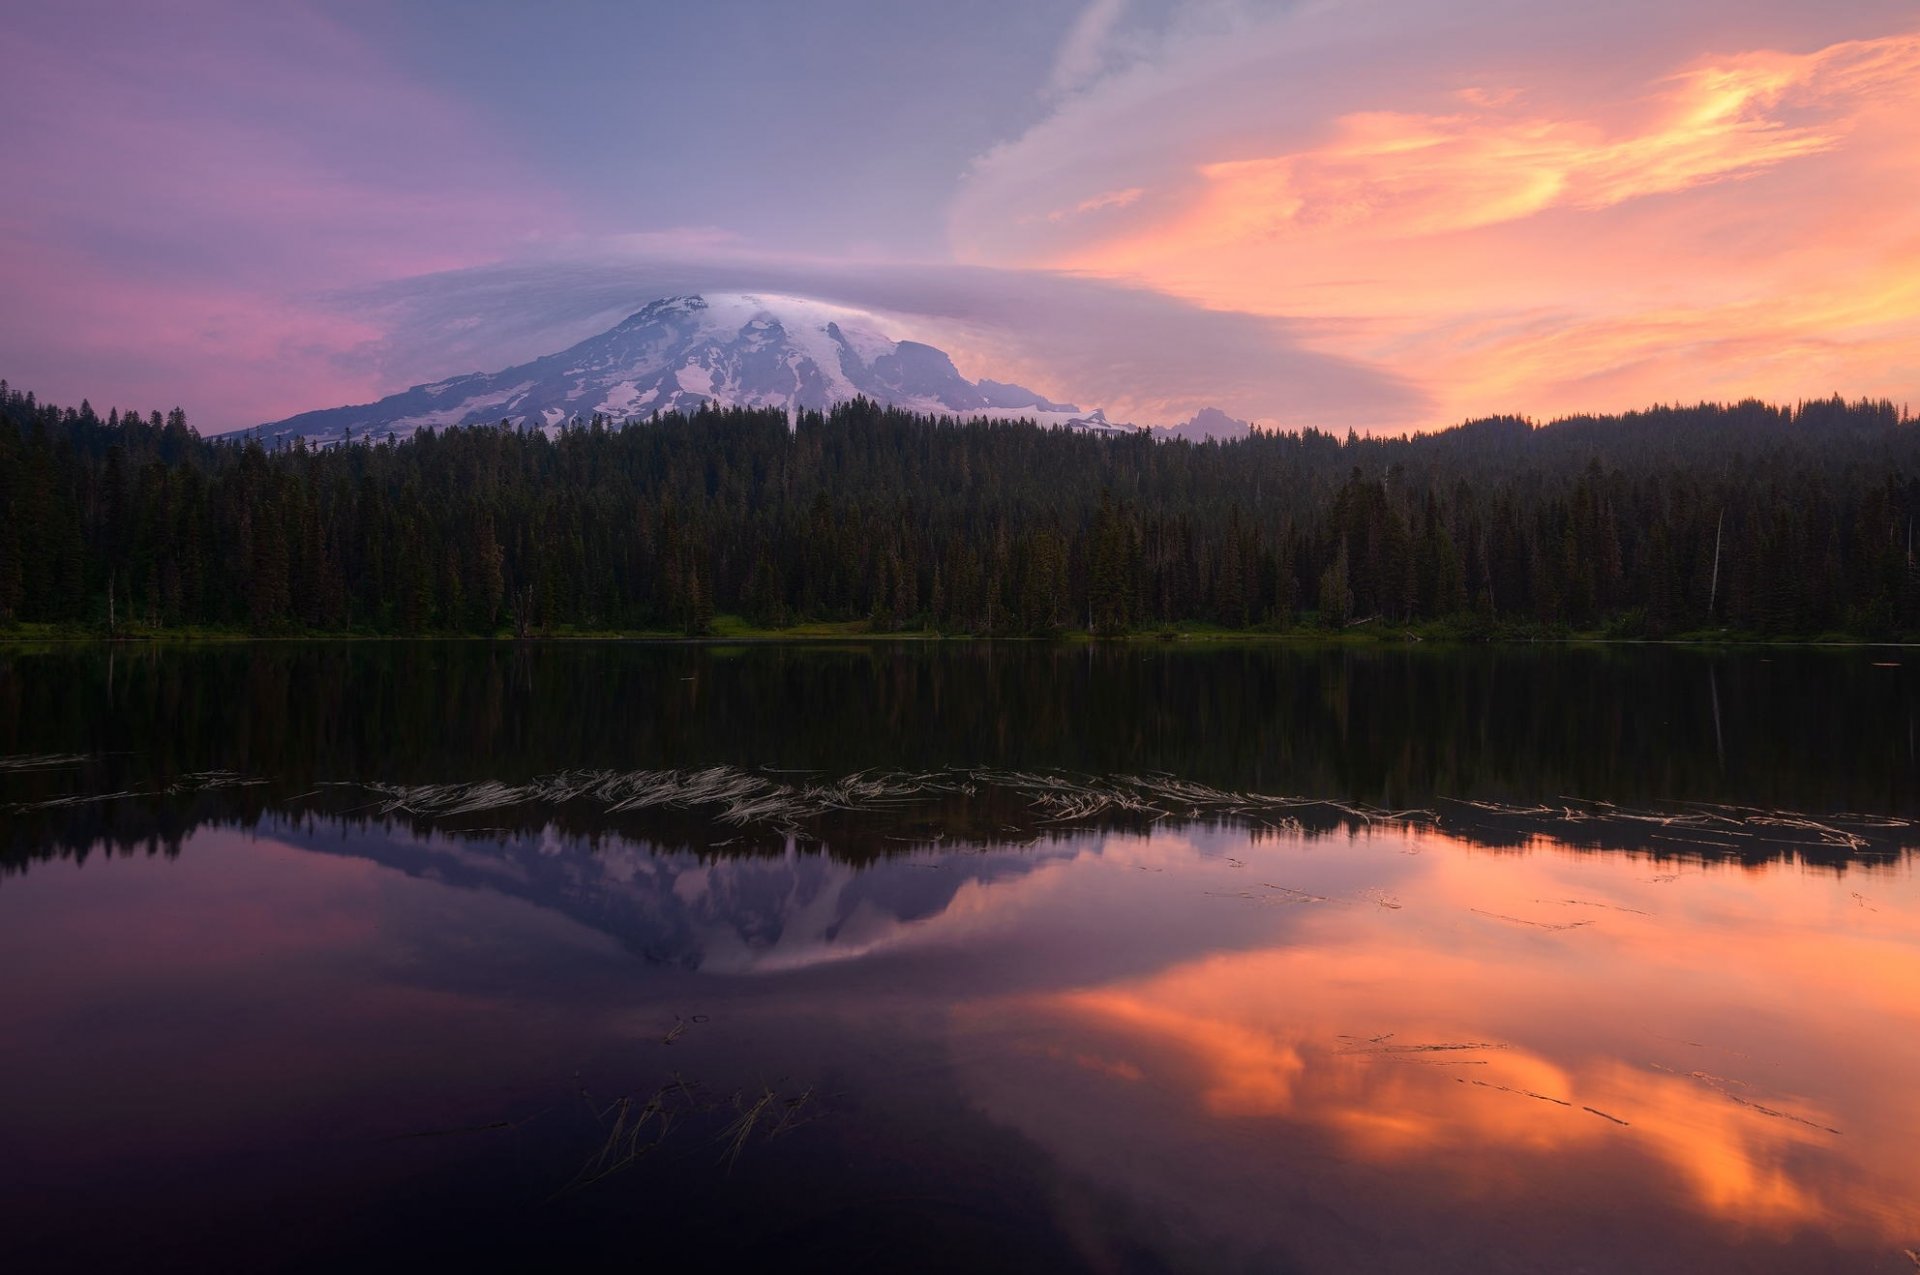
680,352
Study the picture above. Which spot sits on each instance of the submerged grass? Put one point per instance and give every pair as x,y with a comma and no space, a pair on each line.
43,761
781,802
636,1126
914,809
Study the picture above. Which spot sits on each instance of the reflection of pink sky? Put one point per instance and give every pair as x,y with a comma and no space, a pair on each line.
246,987
1797,996
1186,1028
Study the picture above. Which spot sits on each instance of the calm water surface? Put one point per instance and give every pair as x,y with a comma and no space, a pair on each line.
1022,958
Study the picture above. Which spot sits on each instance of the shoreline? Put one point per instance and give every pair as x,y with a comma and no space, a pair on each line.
857,634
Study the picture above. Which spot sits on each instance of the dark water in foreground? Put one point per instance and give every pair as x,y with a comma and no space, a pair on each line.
1142,959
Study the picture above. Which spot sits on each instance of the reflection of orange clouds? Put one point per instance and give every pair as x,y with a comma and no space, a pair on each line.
1321,1032
1735,1158
1471,1113
1752,226
1117,1068
1251,1073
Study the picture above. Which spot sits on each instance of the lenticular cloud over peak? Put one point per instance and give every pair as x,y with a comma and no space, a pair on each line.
1145,357
682,353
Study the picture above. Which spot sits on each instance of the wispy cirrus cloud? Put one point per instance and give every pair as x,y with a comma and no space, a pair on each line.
1398,175
1095,203
1083,54
1517,209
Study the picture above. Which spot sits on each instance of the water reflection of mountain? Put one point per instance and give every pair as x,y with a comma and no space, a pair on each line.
710,912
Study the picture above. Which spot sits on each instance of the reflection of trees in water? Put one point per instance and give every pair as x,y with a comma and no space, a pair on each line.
1380,728
1391,726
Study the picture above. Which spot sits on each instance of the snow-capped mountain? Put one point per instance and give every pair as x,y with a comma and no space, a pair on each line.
675,354
717,913
1210,423
1096,422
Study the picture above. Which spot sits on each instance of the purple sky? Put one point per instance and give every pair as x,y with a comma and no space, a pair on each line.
1378,213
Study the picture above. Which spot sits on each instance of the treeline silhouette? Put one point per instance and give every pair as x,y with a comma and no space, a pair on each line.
1760,519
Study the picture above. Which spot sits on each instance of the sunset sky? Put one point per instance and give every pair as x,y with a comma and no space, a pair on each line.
1382,214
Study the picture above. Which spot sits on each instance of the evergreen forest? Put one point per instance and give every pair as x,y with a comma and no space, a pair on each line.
1744,519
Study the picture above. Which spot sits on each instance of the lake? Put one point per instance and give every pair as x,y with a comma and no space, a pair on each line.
1121,958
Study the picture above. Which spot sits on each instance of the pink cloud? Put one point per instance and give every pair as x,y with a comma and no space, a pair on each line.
1536,215
1095,203
122,340
201,174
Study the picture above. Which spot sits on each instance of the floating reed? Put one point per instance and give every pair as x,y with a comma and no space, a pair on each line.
788,802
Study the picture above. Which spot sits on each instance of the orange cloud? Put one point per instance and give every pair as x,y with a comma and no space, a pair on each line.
1741,224
1407,176
1411,174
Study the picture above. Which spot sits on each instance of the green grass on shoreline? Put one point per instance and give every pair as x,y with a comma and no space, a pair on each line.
734,629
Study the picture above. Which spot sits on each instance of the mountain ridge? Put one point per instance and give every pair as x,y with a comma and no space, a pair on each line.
679,353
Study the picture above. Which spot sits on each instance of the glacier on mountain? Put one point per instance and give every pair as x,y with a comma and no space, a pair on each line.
678,353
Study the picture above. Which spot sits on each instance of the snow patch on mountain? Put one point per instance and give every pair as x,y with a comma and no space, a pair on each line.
679,353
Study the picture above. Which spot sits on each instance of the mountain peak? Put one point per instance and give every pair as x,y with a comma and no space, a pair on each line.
1209,423
678,353
654,310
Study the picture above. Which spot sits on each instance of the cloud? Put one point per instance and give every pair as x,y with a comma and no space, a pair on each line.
1371,213
250,212
232,356
1516,208
1397,175
199,171
1082,55
1111,199
1143,355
